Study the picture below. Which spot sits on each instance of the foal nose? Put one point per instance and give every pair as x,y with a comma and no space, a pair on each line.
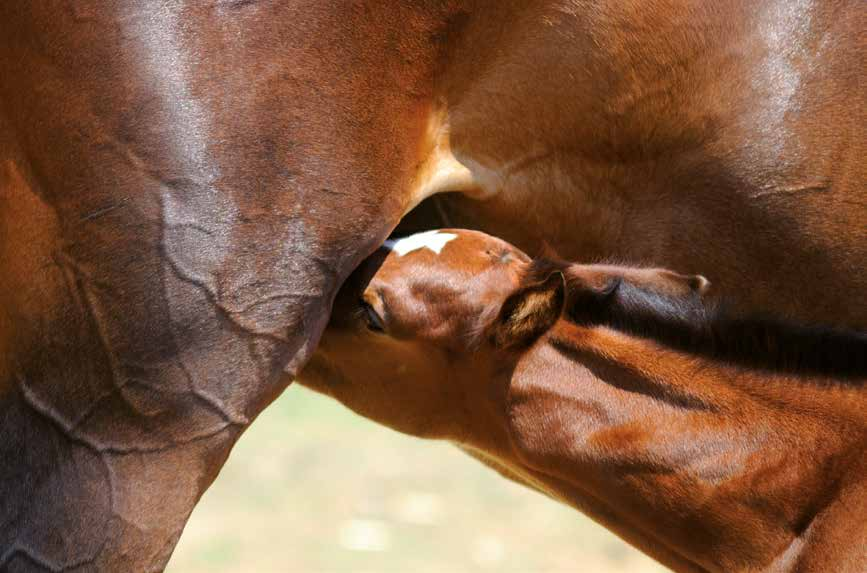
358,280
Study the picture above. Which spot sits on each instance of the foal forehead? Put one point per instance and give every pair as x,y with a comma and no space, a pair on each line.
451,249
431,240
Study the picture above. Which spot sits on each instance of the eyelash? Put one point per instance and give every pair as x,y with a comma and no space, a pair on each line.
371,318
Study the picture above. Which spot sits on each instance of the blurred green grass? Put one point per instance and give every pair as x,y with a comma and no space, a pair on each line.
313,488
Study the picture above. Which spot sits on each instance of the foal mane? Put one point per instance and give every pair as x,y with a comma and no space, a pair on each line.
695,325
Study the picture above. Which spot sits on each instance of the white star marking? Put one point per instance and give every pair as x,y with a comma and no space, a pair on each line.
433,240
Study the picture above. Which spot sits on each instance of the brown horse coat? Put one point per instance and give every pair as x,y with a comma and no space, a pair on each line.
185,185
747,455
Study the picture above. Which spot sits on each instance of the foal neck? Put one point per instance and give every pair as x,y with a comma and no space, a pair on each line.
724,467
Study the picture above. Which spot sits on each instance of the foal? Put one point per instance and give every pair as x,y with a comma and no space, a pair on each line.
622,392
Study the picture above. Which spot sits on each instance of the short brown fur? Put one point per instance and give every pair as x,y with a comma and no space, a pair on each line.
703,464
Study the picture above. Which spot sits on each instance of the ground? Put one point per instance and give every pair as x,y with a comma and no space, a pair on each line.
313,488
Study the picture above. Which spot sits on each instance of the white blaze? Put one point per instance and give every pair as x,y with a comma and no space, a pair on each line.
433,240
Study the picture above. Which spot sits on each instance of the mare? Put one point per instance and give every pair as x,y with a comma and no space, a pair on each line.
711,442
184,186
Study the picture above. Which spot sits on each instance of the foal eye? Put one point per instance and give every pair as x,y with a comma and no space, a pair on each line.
372,319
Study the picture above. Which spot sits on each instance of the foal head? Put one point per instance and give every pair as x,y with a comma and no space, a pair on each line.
424,335
412,340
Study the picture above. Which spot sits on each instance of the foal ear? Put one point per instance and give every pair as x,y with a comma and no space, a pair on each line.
699,284
530,312
695,283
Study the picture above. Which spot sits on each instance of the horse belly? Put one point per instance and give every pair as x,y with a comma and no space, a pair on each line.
722,153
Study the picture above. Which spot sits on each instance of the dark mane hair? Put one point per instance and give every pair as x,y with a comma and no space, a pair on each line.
695,325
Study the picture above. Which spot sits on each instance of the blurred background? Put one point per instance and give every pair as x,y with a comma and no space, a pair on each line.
313,488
